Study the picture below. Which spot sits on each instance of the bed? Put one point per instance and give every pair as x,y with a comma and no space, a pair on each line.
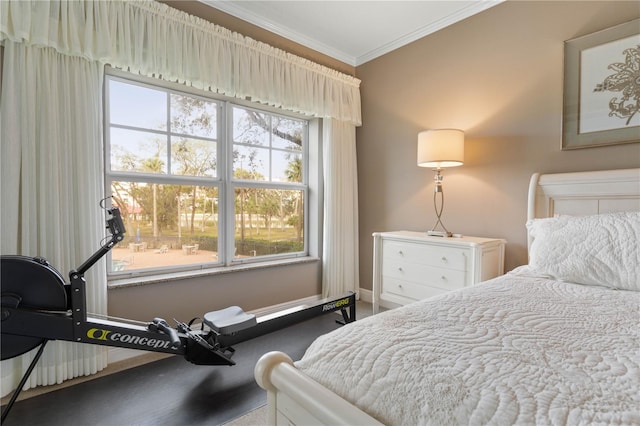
556,341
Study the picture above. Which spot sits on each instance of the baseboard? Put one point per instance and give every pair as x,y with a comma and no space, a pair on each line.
287,305
365,295
122,354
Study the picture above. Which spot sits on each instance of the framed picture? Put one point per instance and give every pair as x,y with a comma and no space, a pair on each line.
602,88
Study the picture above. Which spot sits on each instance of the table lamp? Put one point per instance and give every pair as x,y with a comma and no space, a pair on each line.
437,149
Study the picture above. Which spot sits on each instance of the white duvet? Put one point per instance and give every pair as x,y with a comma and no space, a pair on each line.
514,350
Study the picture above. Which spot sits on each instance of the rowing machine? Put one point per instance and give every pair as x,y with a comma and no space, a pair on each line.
38,306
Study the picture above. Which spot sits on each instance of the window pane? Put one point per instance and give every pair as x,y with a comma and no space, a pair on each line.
133,150
177,136
288,133
250,163
268,221
167,225
250,127
133,105
193,157
194,116
287,167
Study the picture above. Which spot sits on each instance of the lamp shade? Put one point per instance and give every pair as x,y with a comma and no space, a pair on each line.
440,148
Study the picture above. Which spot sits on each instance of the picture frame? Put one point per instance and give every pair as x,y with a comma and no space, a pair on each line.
597,109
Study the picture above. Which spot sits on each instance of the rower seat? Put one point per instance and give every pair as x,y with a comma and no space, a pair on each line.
229,320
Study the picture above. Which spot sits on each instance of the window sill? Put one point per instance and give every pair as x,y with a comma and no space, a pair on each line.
174,276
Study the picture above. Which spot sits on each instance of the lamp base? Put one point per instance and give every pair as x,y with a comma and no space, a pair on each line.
444,234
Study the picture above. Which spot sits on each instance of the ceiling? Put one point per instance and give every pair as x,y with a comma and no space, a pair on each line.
355,31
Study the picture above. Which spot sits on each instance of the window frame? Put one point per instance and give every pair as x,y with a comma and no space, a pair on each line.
224,180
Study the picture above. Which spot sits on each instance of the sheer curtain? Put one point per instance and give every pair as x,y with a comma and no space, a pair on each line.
50,150
51,128
153,39
340,271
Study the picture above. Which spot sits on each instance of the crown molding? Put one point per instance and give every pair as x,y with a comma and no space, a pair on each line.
430,28
233,9
239,12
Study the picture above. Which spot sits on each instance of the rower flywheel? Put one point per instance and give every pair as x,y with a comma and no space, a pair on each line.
28,283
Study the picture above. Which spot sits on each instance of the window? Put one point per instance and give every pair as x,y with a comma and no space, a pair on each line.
200,181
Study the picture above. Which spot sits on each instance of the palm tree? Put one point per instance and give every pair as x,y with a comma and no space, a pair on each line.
154,165
294,174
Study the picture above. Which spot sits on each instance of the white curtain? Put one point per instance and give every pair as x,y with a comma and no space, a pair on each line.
152,39
155,40
340,270
51,147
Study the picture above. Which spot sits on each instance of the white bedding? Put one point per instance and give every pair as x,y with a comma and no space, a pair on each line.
596,250
519,349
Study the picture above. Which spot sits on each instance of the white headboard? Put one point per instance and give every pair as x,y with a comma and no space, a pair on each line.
584,193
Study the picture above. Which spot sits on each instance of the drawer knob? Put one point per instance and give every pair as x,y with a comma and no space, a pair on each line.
444,259
400,252
400,268
443,278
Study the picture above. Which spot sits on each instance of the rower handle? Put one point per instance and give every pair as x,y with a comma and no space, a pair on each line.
161,325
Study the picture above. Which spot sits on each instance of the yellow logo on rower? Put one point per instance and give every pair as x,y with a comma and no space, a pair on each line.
342,302
142,340
97,334
335,305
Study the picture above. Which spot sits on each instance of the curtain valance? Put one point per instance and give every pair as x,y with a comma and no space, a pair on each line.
154,39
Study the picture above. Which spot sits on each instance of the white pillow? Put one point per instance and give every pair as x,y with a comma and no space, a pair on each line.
593,250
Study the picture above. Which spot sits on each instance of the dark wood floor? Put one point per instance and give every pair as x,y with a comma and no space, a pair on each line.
171,391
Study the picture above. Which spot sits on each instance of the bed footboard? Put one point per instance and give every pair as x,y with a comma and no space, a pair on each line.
295,399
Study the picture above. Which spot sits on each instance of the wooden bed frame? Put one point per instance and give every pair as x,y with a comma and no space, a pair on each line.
295,399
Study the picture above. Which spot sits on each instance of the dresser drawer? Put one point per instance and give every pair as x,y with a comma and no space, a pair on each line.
433,255
424,274
395,287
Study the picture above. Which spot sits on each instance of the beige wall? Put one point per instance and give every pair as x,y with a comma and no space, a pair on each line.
499,77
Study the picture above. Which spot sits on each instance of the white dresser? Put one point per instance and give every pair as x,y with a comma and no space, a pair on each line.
409,266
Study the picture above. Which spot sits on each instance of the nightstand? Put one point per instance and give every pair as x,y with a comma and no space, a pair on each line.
409,266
